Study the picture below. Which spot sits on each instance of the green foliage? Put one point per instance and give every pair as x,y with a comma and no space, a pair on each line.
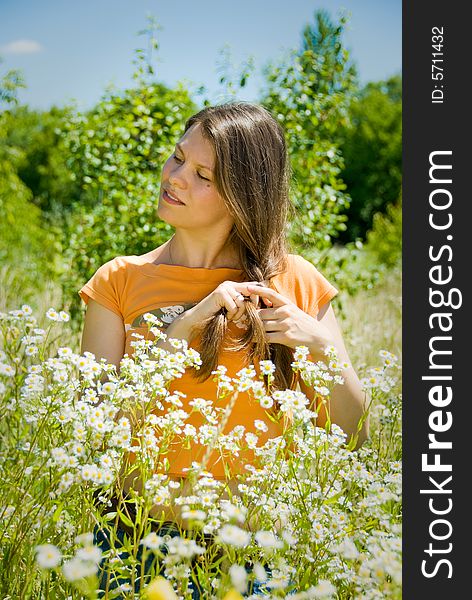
372,150
18,219
23,241
10,82
233,78
349,268
357,266
115,155
43,168
384,240
308,93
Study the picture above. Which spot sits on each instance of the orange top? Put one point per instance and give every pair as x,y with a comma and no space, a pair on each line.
130,287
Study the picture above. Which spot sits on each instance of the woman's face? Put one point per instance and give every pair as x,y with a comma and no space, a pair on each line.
188,197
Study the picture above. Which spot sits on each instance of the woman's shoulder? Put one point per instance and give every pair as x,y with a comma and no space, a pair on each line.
118,263
297,265
124,262
117,271
304,284
296,271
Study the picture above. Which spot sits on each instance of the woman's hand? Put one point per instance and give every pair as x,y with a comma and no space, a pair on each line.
229,295
285,323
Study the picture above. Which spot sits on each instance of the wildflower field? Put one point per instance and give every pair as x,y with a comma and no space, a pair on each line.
309,518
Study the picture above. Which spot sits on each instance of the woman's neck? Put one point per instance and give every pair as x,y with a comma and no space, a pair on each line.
188,251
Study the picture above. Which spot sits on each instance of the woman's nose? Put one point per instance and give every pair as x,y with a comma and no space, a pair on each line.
177,177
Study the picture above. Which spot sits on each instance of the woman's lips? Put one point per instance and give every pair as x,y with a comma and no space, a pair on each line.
170,199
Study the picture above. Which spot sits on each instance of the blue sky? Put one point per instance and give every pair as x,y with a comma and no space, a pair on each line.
72,49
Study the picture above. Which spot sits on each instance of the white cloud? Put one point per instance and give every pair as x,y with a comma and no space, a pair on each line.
21,47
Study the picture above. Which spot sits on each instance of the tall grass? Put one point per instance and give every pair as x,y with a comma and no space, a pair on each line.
19,286
372,321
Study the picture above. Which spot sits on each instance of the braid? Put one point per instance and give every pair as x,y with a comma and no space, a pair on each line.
214,341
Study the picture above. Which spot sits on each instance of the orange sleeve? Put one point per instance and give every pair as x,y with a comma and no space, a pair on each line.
305,285
322,290
106,287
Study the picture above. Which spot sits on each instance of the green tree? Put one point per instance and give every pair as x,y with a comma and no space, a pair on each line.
384,240
10,83
308,93
26,248
372,148
19,219
44,171
115,155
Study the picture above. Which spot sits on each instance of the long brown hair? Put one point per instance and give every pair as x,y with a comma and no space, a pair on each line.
252,175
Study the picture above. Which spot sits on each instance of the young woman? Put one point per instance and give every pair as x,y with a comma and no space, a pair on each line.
224,281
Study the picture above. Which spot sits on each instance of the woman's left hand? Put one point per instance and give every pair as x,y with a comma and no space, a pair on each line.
285,323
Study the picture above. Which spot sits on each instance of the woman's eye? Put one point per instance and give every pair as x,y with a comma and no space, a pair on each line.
180,161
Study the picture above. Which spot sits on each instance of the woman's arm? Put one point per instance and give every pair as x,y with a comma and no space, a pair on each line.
103,333
285,323
347,402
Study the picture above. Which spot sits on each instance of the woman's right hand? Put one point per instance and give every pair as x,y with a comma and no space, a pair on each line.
230,295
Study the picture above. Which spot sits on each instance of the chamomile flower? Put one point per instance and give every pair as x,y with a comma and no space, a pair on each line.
369,382
7,370
234,536
152,541
90,553
176,344
251,440
66,481
75,569
52,314
184,548
260,572
64,352
220,370
301,353
152,319
232,512
334,365
238,576
261,425
330,351
266,539
267,367
84,539
324,589
108,388
266,402
247,372
48,556
26,309
194,514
